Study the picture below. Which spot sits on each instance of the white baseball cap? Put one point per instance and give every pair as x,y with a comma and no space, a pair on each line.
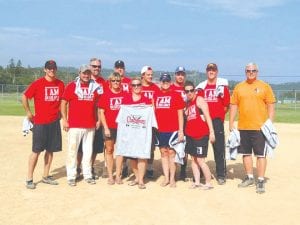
145,68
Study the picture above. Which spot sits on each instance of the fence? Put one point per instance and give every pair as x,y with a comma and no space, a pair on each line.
286,99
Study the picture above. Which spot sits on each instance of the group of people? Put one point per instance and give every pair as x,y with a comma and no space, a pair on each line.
128,117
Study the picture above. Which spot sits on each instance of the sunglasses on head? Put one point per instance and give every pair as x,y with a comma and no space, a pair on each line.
190,90
113,81
136,85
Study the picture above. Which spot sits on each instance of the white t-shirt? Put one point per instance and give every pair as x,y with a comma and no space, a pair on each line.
134,134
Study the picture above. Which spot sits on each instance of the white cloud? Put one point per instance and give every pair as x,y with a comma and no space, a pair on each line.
240,8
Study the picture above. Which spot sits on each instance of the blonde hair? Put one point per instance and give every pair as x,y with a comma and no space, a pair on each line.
136,78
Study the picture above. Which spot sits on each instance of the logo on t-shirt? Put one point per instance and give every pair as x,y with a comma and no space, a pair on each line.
163,102
191,112
51,94
148,94
210,95
125,87
135,121
86,96
115,103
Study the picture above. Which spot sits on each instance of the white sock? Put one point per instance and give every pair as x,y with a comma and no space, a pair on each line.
261,178
250,176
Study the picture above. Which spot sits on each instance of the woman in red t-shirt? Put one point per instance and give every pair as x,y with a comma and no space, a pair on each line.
198,131
169,114
109,106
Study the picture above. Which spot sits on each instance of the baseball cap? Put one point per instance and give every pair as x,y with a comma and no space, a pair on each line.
50,64
165,77
84,68
145,68
212,66
180,69
119,64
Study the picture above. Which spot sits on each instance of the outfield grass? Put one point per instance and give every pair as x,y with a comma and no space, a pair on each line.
284,113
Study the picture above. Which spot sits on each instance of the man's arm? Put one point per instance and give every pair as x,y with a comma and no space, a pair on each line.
63,111
26,106
232,114
271,111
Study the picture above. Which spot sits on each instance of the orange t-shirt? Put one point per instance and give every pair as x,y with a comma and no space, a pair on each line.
252,100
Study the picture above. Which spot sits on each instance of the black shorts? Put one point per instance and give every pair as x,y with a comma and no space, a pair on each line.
165,138
46,137
252,140
98,143
196,147
113,134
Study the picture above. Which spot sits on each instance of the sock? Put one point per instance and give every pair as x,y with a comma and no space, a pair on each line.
250,176
261,178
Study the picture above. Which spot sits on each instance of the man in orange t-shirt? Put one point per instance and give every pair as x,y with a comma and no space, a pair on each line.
254,100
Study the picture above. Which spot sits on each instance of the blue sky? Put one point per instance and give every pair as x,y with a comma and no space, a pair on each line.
163,34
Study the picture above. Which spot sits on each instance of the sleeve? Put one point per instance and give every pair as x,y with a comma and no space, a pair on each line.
102,101
270,97
226,97
31,90
234,97
67,93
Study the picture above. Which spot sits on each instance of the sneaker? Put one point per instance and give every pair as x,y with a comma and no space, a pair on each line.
125,171
221,181
78,171
150,174
90,181
30,184
260,187
72,182
49,180
247,182
94,175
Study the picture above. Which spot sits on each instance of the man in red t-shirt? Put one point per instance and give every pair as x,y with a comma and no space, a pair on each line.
98,144
46,93
148,90
78,109
215,92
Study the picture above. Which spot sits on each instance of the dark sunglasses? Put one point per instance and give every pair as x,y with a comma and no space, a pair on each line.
117,81
95,66
136,85
191,90
251,71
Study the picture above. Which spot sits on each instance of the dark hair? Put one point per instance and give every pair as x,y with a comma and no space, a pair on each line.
189,83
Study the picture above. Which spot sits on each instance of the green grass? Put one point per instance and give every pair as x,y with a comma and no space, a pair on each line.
284,113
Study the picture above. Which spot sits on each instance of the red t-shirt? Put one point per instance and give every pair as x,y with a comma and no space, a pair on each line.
217,105
149,91
82,110
195,127
128,100
180,90
103,84
125,82
47,96
167,105
111,103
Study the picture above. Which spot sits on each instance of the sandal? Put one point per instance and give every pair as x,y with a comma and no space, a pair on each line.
163,184
142,186
111,181
194,186
119,181
133,183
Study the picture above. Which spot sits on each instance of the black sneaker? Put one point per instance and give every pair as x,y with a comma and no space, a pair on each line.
260,187
221,181
125,171
247,182
90,181
94,175
30,184
150,174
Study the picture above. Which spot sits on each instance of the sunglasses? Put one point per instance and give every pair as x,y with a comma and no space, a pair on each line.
136,85
191,90
115,81
96,66
251,71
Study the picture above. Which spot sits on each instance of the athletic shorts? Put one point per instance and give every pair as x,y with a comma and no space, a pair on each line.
98,143
165,138
46,137
252,140
113,134
196,147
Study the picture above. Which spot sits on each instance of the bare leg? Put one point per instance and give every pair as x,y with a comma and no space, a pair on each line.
172,167
48,160
141,165
196,170
165,165
119,162
109,158
248,164
206,171
33,158
261,165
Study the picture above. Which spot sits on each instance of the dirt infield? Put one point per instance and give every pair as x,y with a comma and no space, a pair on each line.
122,204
